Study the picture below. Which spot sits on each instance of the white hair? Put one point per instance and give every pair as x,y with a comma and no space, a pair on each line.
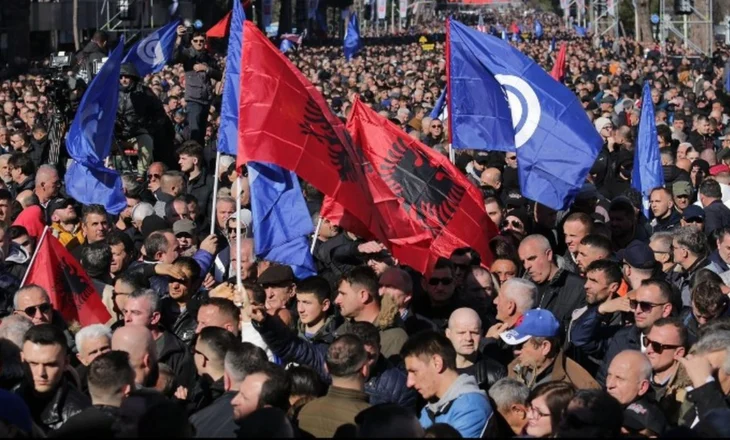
25,289
226,161
141,211
523,292
539,239
92,332
13,328
507,392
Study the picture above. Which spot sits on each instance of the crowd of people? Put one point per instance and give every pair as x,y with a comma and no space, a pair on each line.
593,321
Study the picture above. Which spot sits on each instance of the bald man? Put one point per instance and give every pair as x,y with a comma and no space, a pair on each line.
465,332
137,341
47,184
491,177
684,164
397,283
629,376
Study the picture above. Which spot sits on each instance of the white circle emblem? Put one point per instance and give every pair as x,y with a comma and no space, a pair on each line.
150,51
524,105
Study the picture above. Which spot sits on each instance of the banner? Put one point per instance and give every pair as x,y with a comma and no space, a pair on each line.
403,8
382,8
268,6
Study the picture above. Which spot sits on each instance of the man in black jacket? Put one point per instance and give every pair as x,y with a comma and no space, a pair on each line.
51,398
180,308
200,182
95,50
558,290
111,378
465,332
717,215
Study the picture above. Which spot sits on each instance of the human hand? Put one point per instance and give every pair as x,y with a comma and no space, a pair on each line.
210,244
620,304
495,330
200,67
698,369
181,393
223,290
209,281
371,247
166,269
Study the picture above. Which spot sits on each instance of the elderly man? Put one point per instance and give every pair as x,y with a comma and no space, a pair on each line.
47,184
465,332
516,296
629,377
492,178
397,283
510,398
559,291
91,341
540,358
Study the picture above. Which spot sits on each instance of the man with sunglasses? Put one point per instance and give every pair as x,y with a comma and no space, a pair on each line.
33,302
652,301
200,67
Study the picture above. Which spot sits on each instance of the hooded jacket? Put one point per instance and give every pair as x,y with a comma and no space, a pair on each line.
464,406
138,108
17,262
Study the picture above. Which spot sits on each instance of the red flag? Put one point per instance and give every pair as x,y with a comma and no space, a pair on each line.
559,68
71,290
31,219
429,206
284,120
334,212
220,29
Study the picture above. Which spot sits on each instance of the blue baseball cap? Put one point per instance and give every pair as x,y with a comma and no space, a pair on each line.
537,323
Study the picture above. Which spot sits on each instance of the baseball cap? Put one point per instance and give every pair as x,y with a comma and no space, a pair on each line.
58,203
693,211
644,415
537,323
682,188
184,226
277,274
717,169
637,254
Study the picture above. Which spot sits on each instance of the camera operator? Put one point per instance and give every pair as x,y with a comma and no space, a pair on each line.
200,68
95,50
138,112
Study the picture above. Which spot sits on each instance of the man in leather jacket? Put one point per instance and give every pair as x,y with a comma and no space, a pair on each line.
465,332
52,399
181,307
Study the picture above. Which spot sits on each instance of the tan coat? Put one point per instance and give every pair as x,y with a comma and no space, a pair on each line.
564,370
322,417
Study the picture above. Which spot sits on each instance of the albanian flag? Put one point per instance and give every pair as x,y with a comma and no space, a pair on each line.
430,207
336,213
558,71
284,120
71,290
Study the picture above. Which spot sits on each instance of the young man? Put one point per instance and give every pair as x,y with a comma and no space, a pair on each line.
316,324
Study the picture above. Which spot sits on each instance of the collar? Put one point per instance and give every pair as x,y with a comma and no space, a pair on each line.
347,393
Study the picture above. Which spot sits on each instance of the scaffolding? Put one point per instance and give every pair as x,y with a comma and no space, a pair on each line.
694,31
603,14
130,18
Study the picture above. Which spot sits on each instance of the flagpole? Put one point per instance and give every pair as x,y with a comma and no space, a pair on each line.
239,283
215,192
316,234
32,260
452,155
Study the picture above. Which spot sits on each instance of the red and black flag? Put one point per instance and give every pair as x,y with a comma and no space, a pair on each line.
71,290
430,207
336,213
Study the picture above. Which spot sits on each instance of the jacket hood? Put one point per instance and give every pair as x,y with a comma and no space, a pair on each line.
92,47
464,384
17,255
388,313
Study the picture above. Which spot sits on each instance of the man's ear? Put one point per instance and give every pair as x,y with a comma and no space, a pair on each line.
520,410
326,305
146,360
126,390
155,319
438,363
226,381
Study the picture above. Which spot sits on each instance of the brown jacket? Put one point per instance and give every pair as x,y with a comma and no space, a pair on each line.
392,337
322,417
672,398
564,369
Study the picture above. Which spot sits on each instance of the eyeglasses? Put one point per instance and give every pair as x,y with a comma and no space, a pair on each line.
513,223
695,220
657,347
644,306
199,40
537,412
511,157
437,126
44,308
445,281
154,176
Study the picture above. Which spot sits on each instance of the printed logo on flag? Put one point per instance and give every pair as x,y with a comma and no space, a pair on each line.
524,105
150,51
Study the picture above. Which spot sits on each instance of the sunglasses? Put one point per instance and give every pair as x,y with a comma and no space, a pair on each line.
511,157
437,126
644,306
201,354
154,176
199,40
436,281
695,220
513,223
44,308
657,347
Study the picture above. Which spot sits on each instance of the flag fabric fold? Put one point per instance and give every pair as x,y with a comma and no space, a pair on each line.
154,51
280,218
336,213
228,130
90,138
71,290
556,142
647,173
220,29
438,108
538,29
352,43
479,113
558,72
580,30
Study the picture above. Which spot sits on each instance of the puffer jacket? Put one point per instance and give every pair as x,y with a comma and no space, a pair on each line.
66,402
464,406
387,383
137,109
324,335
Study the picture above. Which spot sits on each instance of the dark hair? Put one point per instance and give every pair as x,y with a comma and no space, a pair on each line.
5,195
557,397
708,298
92,209
711,188
365,277
110,372
155,242
366,332
474,258
306,382
676,323
594,414
100,37
245,358
583,218
316,285
46,334
226,307
193,149
275,391
219,340
554,344
346,356
22,161
429,343
706,275
664,288
136,280
388,420
611,270
441,430
116,237
444,263
16,231
96,259
191,265
597,241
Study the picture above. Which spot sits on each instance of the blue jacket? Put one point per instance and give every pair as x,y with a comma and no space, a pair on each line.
387,383
464,406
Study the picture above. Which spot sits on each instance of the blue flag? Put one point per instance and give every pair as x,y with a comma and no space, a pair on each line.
727,77
285,46
556,142
281,220
553,43
647,173
89,141
480,115
504,35
438,108
352,44
538,29
581,31
228,130
154,51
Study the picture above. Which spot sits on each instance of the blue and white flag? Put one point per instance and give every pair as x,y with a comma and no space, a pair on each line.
648,173
154,51
440,107
352,44
228,131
